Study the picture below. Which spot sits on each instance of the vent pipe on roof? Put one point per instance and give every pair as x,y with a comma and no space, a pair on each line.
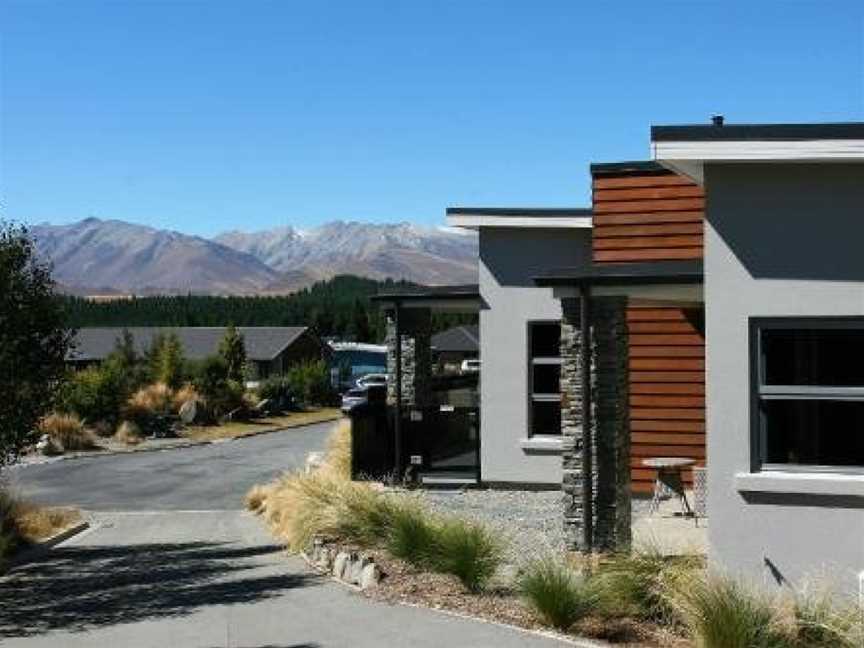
717,119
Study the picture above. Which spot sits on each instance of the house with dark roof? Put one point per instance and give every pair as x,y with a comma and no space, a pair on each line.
706,312
451,347
270,349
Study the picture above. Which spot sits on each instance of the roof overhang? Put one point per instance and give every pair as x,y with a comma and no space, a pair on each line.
457,299
686,149
656,281
474,218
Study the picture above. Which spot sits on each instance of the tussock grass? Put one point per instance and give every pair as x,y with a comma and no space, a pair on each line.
66,432
823,621
338,455
129,433
722,612
23,523
557,593
636,584
324,502
151,400
467,550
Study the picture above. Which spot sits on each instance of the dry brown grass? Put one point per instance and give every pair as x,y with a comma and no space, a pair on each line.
186,393
237,429
129,433
66,432
338,457
256,498
37,523
150,400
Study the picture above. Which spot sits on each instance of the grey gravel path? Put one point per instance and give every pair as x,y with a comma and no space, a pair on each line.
530,521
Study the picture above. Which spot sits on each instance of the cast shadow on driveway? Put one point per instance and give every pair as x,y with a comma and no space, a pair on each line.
80,588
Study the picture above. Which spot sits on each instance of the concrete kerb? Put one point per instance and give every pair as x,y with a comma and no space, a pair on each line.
176,446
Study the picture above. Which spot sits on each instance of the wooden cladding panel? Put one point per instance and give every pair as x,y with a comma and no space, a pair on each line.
667,388
647,217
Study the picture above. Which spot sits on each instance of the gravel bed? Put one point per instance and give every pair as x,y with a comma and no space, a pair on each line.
531,522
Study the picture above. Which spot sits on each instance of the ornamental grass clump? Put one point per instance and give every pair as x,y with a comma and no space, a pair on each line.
66,432
636,584
557,593
411,535
722,612
468,550
823,621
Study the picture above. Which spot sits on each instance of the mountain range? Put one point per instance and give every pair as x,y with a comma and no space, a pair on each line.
96,256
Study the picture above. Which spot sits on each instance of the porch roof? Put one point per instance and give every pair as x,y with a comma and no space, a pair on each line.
611,274
464,298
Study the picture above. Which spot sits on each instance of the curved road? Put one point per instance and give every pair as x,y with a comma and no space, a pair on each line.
172,561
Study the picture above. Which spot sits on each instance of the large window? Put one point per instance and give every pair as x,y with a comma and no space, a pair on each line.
808,397
544,346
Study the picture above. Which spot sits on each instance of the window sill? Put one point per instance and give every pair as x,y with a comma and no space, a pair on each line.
804,483
542,443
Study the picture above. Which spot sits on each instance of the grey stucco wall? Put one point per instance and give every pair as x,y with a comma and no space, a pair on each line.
780,240
509,260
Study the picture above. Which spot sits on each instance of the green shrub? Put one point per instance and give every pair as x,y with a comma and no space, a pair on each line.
635,584
557,593
166,360
210,378
310,383
467,550
96,393
411,536
722,612
276,389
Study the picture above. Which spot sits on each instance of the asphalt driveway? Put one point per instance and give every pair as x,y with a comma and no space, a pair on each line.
172,561
206,477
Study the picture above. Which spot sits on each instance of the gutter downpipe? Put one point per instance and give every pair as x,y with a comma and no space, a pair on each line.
587,441
397,428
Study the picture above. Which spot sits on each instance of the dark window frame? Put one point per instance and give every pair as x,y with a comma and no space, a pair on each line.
531,397
760,392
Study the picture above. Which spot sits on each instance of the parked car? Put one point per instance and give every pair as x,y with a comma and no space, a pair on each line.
373,395
354,398
371,379
470,366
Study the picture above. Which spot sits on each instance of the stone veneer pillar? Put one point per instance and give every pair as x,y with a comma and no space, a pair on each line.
610,422
416,328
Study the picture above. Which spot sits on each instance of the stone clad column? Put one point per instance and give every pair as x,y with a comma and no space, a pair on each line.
610,422
416,328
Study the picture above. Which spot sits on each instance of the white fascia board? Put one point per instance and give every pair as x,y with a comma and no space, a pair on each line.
761,150
473,222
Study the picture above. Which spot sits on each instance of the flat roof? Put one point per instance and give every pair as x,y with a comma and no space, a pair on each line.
611,274
520,217
462,291
763,132
640,167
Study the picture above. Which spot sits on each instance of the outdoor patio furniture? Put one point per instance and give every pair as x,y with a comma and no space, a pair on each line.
668,479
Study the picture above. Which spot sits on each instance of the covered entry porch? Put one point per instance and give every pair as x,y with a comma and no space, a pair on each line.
433,416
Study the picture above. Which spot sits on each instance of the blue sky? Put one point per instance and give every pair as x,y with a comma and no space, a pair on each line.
206,116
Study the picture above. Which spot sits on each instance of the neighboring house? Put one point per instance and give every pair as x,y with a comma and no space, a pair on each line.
451,347
784,304
270,350
520,425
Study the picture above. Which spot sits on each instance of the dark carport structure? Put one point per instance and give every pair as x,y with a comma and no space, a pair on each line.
433,421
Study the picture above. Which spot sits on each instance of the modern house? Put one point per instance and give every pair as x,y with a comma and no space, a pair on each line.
784,322
270,349
520,427
709,307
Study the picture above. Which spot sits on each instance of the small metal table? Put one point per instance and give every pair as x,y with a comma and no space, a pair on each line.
669,471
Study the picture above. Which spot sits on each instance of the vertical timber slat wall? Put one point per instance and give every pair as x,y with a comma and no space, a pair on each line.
644,213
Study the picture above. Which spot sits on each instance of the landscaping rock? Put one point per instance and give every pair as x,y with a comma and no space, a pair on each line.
189,411
340,564
314,461
370,576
